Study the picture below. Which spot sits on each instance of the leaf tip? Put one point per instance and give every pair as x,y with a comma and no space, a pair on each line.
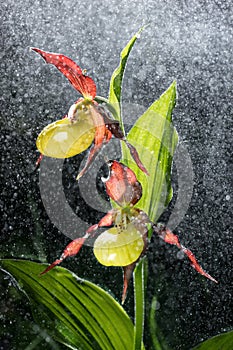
145,26
174,84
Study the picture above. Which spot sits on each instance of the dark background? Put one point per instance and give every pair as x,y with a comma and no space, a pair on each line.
187,41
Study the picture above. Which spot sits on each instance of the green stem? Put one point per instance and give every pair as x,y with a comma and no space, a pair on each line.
34,343
139,303
153,325
112,110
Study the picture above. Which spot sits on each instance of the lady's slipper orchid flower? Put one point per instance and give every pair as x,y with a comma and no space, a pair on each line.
124,243
86,120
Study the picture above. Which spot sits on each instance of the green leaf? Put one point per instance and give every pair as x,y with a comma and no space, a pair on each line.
117,77
75,312
155,139
222,341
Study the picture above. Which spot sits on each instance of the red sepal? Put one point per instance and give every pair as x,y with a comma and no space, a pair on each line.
170,238
122,185
136,158
50,267
195,264
74,247
82,83
106,221
71,249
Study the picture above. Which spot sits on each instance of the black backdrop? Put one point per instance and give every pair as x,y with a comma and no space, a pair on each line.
187,41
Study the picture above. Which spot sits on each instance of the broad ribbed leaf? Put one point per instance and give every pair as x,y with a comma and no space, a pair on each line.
117,77
220,342
75,312
155,139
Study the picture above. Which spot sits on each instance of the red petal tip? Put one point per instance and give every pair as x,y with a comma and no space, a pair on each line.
50,267
39,160
82,83
210,277
37,51
196,265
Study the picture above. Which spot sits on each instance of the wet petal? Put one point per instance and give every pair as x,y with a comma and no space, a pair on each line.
128,270
50,267
71,249
102,136
83,84
106,221
122,185
136,158
170,238
99,139
64,139
195,264
119,247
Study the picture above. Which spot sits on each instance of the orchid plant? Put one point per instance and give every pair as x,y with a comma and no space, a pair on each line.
124,243
85,122
134,186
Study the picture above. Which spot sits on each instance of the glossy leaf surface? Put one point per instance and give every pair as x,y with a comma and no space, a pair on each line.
75,312
155,139
117,77
222,341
